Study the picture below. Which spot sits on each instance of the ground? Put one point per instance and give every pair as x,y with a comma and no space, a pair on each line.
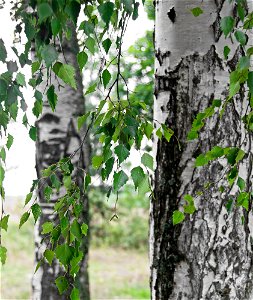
115,273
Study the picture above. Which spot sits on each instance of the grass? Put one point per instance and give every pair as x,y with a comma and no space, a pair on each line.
114,273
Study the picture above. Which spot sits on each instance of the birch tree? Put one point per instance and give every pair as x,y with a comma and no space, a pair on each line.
209,255
57,138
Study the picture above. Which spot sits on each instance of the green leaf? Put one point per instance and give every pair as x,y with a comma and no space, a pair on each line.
74,294
24,218
227,25
20,79
250,82
106,11
66,73
33,133
240,155
87,181
241,183
138,176
196,11
75,229
9,141
201,160
56,26
241,37
106,45
4,222
119,179
109,166
82,59
64,253
190,208
49,255
3,154
226,52
84,229
49,54
3,254
38,266
2,174
52,97
91,89
178,217
122,152
44,11
47,227
106,76
147,161
36,210
62,284
90,44
82,119
97,161
67,181
167,133
3,52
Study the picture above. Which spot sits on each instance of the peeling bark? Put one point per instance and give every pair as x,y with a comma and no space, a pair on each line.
58,138
209,256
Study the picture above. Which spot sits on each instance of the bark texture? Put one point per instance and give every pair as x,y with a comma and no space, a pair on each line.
209,256
57,137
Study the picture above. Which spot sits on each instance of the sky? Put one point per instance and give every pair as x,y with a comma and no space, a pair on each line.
20,162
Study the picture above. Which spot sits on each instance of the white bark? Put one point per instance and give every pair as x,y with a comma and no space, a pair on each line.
210,255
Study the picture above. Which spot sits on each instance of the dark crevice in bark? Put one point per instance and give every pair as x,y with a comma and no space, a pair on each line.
172,14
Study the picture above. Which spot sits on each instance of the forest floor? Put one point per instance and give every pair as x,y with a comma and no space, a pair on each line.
114,273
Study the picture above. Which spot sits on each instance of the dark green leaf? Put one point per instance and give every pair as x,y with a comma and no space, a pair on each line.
226,52
9,141
147,161
90,44
44,11
52,97
36,210
138,176
106,11
75,229
106,76
49,54
119,179
107,44
122,152
227,25
241,37
82,59
24,218
3,52
33,133
62,284
64,253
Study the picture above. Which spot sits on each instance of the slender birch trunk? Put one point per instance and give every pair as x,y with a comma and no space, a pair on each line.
58,138
209,256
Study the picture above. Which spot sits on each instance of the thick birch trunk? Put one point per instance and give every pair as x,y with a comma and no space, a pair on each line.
209,256
58,138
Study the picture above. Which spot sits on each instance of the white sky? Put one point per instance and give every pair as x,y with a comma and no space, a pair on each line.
20,161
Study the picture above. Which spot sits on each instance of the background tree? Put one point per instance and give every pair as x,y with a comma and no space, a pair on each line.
209,256
58,138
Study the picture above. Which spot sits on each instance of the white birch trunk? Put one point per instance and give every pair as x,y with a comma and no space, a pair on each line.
58,138
209,256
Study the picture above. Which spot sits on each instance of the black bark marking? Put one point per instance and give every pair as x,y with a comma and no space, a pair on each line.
172,14
161,56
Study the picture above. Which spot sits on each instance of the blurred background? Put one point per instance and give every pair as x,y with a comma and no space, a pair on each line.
118,264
